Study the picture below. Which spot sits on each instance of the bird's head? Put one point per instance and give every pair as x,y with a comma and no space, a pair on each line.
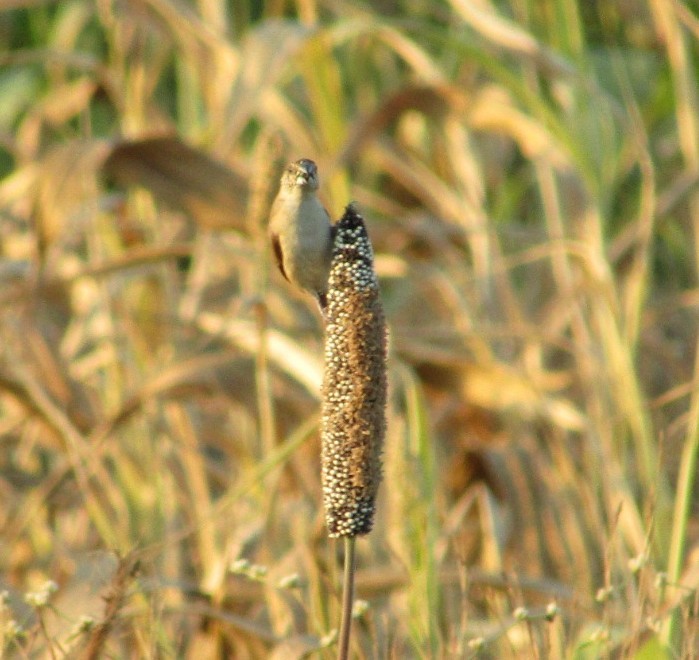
301,174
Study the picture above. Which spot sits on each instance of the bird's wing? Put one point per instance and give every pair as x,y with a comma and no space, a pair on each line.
278,256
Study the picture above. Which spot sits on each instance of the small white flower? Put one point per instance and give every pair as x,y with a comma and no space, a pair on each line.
12,630
521,614
604,594
635,564
360,608
41,597
552,611
477,643
239,566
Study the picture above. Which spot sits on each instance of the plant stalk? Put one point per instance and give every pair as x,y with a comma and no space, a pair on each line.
347,600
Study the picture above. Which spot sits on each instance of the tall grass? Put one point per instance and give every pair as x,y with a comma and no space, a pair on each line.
529,173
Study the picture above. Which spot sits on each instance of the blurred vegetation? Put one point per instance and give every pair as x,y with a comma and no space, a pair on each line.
530,175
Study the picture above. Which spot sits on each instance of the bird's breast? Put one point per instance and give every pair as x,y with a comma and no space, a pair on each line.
305,244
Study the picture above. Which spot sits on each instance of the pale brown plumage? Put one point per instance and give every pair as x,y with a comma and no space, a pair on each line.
300,230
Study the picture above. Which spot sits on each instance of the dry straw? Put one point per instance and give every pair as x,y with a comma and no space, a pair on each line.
354,382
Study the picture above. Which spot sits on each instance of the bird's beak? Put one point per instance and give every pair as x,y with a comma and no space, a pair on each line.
301,179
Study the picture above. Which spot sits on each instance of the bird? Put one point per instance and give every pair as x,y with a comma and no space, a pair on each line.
300,230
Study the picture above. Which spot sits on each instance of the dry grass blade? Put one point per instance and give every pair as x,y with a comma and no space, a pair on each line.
494,111
265,55
298,363
82,461
184,378
508,35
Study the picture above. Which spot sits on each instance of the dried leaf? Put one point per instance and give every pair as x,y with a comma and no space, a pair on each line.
493,111
264,57
183,177
500,388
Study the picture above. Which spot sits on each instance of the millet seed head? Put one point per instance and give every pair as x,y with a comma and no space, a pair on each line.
354,382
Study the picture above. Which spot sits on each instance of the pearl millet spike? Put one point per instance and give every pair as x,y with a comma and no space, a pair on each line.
353,417
300,230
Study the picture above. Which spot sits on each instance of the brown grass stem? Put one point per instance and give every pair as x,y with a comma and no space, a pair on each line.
347,599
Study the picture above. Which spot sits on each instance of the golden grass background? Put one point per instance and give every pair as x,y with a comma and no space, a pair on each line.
529,173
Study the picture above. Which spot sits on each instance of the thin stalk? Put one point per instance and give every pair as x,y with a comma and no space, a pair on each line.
347,600
682,513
